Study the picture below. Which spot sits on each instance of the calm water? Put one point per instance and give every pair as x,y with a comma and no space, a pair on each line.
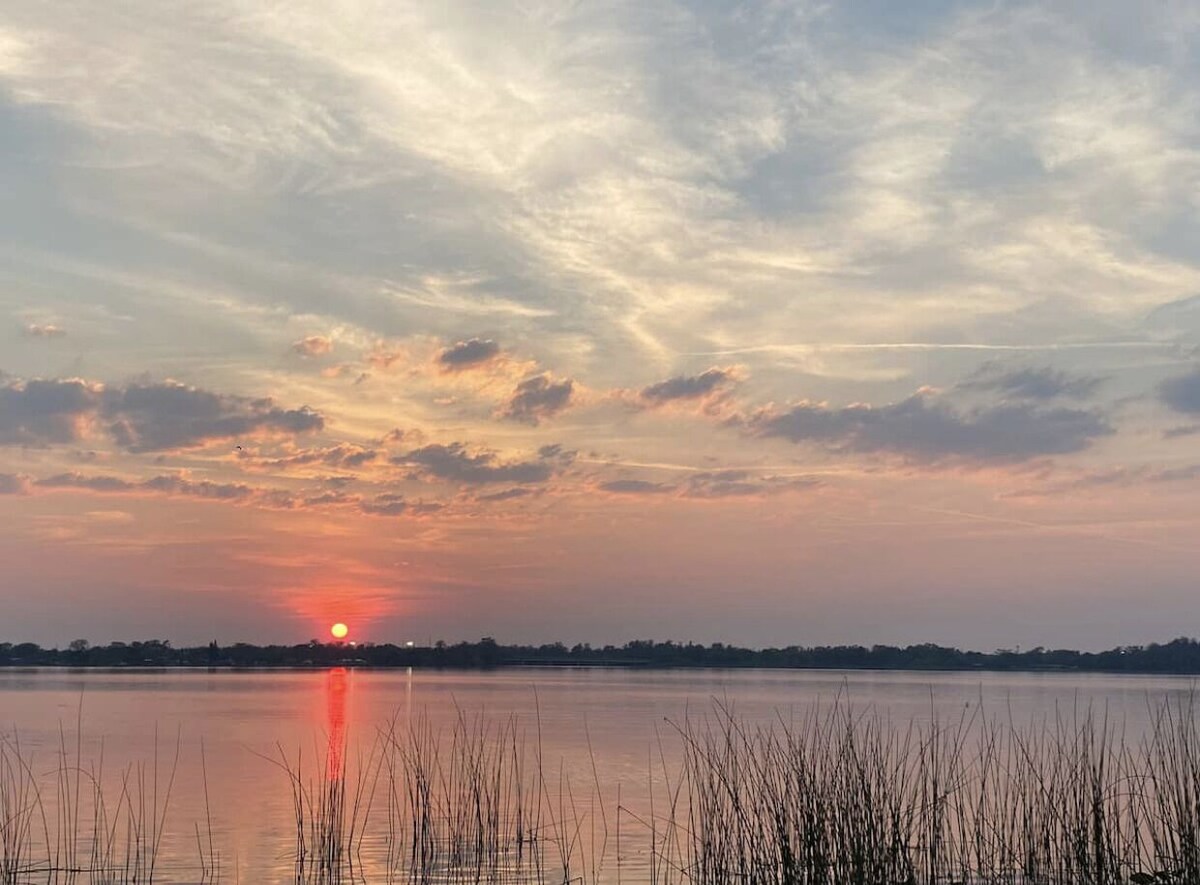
243,720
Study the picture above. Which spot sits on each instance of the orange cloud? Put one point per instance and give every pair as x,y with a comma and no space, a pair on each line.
313,346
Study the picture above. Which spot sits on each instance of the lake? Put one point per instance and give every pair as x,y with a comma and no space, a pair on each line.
603,738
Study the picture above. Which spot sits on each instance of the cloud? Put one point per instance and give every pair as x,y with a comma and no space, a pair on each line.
43,412
398,435
217,491
102,484
556,452
323,499
722,484
926,430
391,504
505,495
387,504
13,484
690,387
168,415
383,356
467,354
173,486
1181,431
140,417
423,507
1043,383
670,207
635,487
46,330
1109,477
538,398
343,455
341,370
733,483
1182,393
313,345
455,464
743,483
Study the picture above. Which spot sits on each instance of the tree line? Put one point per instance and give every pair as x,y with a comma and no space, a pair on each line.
1178,656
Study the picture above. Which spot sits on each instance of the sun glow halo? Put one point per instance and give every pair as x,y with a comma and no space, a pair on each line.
339,630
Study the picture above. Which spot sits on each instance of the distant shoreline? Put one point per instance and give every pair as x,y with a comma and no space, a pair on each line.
661,668
1180,657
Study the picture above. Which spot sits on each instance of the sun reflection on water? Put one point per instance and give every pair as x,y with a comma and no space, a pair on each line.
336,688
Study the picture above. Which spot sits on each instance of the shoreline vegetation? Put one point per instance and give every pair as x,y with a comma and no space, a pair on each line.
835,796
1178,657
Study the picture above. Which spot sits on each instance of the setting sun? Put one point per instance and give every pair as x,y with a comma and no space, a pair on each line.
339,630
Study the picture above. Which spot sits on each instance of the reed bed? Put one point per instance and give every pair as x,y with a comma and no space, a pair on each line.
465,803
840,797
73,825
833,795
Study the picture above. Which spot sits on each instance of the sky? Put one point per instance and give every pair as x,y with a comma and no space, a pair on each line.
763,323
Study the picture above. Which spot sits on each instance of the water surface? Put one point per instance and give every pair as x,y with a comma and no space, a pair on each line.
600,732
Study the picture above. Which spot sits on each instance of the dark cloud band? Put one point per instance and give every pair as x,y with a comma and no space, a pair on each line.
925,429
151,417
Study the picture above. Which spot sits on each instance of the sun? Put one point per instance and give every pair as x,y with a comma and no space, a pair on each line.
339,630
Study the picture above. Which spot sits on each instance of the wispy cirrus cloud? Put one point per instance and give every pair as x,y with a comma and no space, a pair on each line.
528,207
591,191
